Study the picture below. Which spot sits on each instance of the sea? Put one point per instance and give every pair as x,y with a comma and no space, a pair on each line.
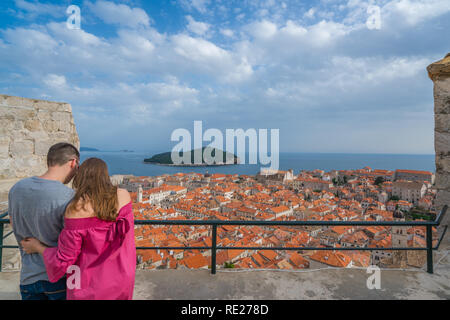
120,162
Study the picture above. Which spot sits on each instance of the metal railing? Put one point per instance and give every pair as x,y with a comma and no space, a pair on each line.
214,223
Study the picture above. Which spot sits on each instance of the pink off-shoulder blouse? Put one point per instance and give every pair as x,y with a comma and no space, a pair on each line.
103,251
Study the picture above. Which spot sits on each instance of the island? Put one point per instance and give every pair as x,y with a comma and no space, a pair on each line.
166,159
88,149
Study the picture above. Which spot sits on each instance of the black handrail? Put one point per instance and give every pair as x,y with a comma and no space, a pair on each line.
214,223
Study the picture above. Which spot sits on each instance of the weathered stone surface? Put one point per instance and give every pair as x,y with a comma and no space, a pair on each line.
442,143
28,127
22,148
443,163
17,101
440,70
4,147
41,147
442,180
44,115
18,113
443,198
61,116
442,122
6,125
64,126
442,96
33,125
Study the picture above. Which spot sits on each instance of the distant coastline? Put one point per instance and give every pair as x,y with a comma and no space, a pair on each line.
192,164
88,149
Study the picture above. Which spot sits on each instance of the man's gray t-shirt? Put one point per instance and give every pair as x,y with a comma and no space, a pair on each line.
36,207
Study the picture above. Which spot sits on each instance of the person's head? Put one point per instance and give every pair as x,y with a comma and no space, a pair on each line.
65,158
92,184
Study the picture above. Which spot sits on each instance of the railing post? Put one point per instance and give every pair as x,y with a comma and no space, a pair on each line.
213,249
429,249
1,245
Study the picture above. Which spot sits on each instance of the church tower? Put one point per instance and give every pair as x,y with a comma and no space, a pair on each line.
139,194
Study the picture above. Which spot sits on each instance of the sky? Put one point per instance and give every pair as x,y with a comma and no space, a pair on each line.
137,70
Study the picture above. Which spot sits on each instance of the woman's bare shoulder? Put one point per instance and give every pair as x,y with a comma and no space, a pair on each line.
123,197
80,212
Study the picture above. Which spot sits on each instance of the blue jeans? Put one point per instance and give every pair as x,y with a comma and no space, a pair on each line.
44,290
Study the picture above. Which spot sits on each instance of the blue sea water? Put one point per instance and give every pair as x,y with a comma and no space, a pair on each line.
132,163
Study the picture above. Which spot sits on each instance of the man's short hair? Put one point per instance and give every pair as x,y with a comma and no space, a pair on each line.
60,153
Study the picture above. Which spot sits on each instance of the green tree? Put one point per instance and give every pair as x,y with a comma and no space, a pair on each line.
378,181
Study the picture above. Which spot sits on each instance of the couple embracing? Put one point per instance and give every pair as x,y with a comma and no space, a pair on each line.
84,234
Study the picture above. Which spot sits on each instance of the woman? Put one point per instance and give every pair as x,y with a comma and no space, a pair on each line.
98,238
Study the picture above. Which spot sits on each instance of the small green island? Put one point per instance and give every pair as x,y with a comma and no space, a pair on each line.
166,158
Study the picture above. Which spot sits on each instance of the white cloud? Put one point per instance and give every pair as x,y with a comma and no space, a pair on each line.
55,81
121,14
227,32
199,5
415,11
211,59
310,13
263,29
277,71
34,9
199,28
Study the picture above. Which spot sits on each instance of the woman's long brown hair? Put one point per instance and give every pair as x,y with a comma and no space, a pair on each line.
93,185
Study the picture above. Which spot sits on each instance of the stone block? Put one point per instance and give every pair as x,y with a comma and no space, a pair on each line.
44,115
4,147
17,101
6,125
51,126
442,180
61,116
65,107
64,126
442,122
443,163
17,113
22,148
41,147
442,96
47,105
6,168
33,125
442,143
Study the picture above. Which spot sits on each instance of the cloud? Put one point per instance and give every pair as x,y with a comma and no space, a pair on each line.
198,5
120,14
413,12
323,78
31,10
199,28
227,32
55,81
310,13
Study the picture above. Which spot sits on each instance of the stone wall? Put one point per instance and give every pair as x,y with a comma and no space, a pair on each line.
439,73
28,127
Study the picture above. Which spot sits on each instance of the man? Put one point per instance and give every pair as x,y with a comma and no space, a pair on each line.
36,207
